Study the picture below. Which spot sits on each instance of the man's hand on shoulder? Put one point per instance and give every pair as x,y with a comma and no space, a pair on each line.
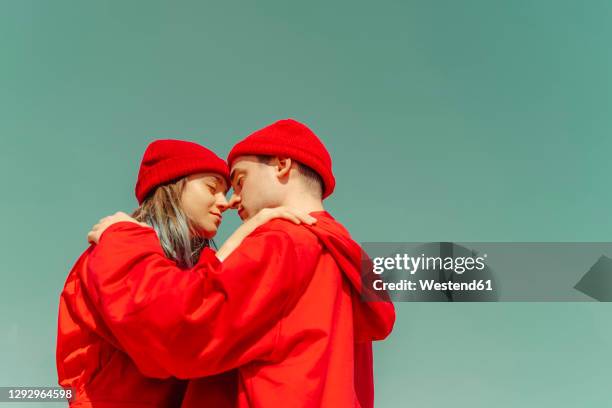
96,231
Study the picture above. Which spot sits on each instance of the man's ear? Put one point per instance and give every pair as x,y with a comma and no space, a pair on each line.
283,166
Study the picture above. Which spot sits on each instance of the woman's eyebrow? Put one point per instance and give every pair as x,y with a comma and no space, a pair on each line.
221,183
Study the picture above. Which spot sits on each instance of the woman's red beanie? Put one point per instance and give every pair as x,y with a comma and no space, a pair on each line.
292,139
167,160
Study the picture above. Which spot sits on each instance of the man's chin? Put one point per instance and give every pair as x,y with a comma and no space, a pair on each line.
244,215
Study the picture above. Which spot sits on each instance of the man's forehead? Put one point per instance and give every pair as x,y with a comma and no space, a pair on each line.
242,163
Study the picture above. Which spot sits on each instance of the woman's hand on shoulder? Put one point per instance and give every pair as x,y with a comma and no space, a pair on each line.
287,213
262,217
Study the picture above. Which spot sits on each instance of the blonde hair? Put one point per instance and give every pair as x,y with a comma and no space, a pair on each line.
177,234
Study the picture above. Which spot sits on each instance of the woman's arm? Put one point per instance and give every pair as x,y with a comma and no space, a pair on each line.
194,322
262,217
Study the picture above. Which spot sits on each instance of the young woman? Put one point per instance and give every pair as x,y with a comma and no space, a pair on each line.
181,191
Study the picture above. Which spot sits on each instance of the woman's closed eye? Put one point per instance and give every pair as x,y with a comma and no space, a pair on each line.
212,188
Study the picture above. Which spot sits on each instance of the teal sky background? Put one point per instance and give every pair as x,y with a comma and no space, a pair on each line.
465,120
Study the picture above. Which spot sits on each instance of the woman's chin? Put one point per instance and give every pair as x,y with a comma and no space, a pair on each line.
208,232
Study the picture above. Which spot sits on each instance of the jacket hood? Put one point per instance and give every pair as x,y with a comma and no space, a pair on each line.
373,312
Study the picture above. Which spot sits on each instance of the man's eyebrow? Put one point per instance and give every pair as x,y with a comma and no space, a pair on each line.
233,175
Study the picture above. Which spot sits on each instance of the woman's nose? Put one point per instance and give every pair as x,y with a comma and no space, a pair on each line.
222,203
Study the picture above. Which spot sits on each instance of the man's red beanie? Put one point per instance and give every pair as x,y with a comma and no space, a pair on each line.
167,160
292,139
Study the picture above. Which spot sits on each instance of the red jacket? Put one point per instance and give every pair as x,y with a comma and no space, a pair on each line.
90,360
284,309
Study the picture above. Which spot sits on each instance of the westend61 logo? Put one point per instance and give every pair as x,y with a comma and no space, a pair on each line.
487,271
412,265
431,272
405,262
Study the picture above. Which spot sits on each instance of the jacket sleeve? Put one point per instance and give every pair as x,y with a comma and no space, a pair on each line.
194,322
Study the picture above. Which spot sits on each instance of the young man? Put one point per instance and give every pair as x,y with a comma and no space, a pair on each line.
282,315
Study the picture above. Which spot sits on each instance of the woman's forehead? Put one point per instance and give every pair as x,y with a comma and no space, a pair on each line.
213,177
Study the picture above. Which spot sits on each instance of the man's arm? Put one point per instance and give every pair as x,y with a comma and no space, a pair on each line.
192,322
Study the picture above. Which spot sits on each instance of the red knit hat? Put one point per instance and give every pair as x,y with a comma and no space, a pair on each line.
292,139
167,160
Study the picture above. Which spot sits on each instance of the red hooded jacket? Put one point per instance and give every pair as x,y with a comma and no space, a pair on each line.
91,361
283,310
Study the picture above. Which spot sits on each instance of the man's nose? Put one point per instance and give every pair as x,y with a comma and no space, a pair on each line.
234,201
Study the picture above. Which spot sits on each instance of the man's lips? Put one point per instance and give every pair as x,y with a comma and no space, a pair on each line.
217,215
